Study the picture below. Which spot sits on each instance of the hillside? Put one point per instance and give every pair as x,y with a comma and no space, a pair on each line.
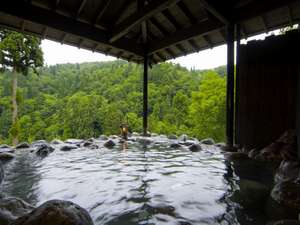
89,99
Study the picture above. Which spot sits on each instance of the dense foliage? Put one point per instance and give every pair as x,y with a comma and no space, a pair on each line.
89,99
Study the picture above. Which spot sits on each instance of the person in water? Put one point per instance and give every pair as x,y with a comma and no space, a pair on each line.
124,131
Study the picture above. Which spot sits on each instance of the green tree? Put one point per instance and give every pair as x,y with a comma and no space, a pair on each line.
18,53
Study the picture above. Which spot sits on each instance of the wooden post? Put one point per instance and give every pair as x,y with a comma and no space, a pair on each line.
298,113
237,77
145,94
230,85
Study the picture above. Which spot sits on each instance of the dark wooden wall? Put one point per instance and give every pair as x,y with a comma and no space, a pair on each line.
266,89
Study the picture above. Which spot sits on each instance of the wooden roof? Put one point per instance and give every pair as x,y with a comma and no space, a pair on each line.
125,28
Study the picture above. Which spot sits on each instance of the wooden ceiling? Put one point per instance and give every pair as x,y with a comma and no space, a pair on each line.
129,29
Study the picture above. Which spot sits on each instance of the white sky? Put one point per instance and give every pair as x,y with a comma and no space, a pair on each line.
55,53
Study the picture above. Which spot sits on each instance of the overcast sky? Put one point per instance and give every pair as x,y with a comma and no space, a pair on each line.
56,53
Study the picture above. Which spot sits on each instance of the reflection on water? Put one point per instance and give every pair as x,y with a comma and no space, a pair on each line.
135,184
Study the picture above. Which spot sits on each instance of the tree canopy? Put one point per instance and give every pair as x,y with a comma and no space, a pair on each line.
89,99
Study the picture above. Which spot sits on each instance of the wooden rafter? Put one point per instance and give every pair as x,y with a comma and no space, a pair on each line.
141,15
187,12
44,33
215,10
82,4
63,38
194,45
100,12
207,40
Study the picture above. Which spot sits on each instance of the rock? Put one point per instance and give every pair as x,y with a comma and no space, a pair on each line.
154,134
235,155
1,173
208,141
56,142
144,140
287,193
172,137
12,208
91,139
285,222
6,156
23,145
183,138
74,141
44,149
250,194
135,134
7,150
113,137
187,143
288,171
175,145
66,148
109,144
87,143
103,137
93,146
38,143
56,212
195,148
220,144
4,146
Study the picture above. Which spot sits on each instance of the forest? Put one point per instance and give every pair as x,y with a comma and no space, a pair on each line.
86,100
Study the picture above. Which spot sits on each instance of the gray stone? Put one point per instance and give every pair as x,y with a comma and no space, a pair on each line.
56,142
74,141
38,143
23,145
66,148
172,137
288,171
175,145
183,137
44,149
220,144
195,148
12,208
287,193
4,146
87,144
208,141
109,144
6,156
103,137
7,150
144,140
56,212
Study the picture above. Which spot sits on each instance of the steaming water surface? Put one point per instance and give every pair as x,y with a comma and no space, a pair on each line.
151,184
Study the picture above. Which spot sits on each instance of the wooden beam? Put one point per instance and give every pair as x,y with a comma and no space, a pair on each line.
23,26
95,47
187,12
185,34
102,9
62,40
216,11
55,5
264,22
207,40
121,12
298,114
67,25
83,2
237,83
171,19
291,19
194,45
44,34
170,53
181,48
161,28
141,15
81,43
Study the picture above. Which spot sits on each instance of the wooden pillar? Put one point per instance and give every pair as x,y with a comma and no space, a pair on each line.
298,113
237,77
145,94
230,85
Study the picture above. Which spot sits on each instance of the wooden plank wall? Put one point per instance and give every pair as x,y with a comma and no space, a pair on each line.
266,89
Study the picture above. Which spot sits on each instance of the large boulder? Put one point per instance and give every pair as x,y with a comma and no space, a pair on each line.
109,144
287,193
284,148
288,171
12,208
6,156
4,146
66,148
208,141
56,212
250,193
23,145
44,149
